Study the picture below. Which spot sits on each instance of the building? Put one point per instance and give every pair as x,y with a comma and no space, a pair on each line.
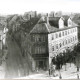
29,15
55,14
50,36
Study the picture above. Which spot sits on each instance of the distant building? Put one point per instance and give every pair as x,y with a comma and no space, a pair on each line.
29,15
55,14
51,14
50,36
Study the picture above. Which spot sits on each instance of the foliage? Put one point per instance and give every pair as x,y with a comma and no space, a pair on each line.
66,57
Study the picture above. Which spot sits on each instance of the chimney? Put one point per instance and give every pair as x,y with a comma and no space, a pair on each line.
47,19
30,16
47,14
53,14
35,13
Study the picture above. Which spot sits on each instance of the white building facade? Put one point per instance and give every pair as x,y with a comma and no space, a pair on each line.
66,37
61,40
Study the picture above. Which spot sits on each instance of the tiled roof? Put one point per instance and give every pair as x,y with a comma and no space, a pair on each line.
40,28
43,27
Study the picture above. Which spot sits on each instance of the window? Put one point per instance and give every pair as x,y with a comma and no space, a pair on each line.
66,41
69,22
57,46
43,38
68,31
60,45
52,48
36,38
60,34
52,37
63,43
70,39
73,38
56,35
73,30
43,50
33,38
39,39
36,50
63,33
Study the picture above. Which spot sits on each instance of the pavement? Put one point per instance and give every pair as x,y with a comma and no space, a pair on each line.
70,73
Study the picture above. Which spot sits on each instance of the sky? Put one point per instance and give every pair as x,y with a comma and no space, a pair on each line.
21,6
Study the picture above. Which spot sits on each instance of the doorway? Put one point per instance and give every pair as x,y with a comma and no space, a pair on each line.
41,64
